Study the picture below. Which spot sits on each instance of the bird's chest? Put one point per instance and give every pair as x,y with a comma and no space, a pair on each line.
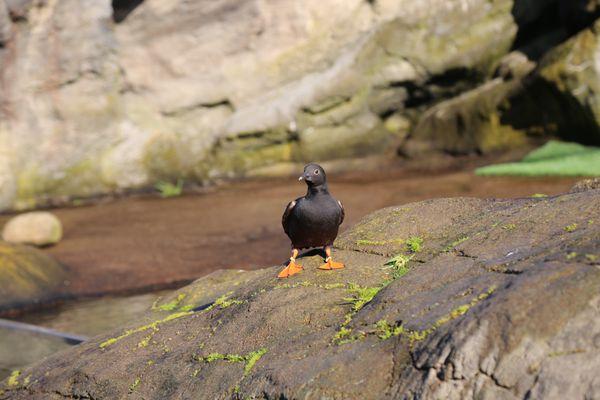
319,213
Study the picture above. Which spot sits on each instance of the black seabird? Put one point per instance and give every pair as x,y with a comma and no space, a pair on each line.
312,220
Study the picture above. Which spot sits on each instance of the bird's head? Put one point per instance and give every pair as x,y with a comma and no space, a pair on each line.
314,175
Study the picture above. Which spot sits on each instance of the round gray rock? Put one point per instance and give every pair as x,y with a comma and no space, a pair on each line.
38,228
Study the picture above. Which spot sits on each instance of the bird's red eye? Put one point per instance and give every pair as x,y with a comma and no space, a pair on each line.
316,172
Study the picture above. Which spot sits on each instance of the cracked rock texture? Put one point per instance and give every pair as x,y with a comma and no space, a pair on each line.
101,96
486,299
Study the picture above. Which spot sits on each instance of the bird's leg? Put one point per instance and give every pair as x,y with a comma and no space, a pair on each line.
329,263
292,268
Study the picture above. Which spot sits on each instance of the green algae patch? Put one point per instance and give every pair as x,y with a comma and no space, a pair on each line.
224,302
360,296
384,330
592,258
13,379
153,325
452,315
134,385
367,242
553,159
571,228
342,334
414,244
146,341
252,358
399,265
457,242
172,305
249,359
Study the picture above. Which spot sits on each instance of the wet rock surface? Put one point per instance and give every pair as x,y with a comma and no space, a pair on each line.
29,277
448,298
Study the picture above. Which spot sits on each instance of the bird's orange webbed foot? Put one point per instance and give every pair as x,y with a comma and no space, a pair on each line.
330,264
291,269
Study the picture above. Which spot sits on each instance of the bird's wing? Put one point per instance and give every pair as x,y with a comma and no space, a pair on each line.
286,214
343,212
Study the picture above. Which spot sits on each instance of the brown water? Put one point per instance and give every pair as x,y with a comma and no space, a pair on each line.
148,243
144,243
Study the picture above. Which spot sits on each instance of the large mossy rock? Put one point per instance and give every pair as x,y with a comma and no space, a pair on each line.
562,97
449,298
28,277
97,98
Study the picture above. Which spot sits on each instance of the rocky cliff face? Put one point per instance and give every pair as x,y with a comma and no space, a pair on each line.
450,298
98,96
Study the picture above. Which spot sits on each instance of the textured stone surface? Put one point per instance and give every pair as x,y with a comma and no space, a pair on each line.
485,299
472,121
587,184
205,90
40,228
96,100
570,88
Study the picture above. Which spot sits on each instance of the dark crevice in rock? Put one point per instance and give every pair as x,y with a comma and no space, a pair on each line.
462,253
122,8
417,94
506,271
450,77
540,30
494,379
536,36
215,104
328,106
578,15
544,108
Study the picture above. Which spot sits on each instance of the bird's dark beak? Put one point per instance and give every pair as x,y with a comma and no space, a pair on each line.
305,178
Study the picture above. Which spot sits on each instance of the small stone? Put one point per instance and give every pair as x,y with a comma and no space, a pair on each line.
38,228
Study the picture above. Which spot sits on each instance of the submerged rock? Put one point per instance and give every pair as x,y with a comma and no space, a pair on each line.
28,276
39,228
449,298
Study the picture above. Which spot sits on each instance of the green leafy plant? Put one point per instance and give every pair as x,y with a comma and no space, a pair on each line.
414,244
399,265
554,158
168,189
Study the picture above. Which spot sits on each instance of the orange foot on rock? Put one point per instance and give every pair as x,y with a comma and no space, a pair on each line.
330,264
291,269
